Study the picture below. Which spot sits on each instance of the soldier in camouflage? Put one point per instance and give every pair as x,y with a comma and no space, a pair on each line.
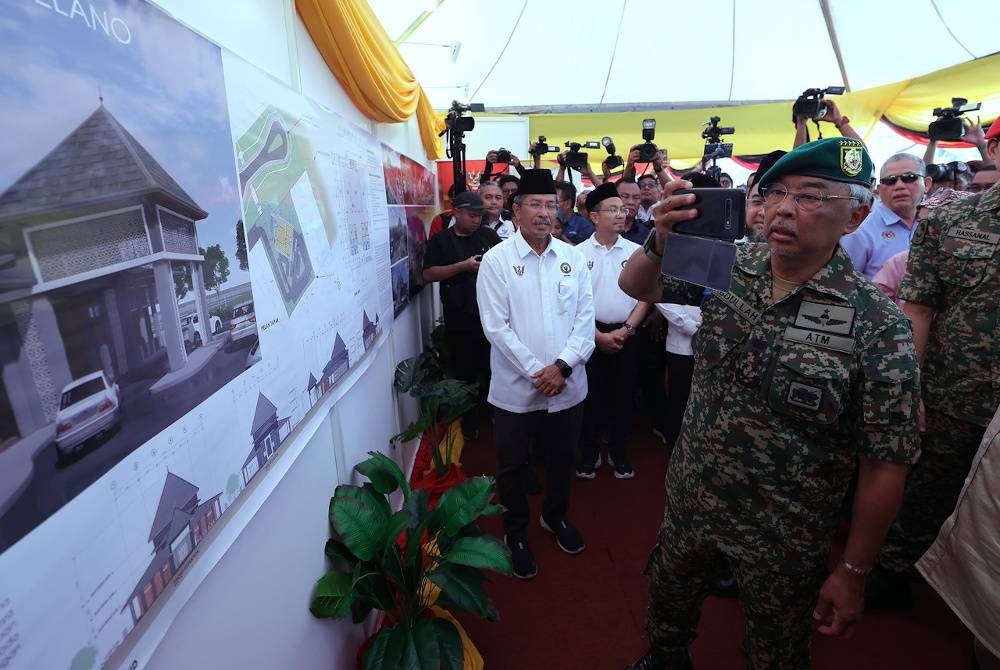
803,370
952,293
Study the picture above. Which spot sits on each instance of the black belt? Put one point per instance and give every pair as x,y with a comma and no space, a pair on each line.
608,327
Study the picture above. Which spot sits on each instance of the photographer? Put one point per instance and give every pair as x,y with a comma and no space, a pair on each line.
452,258
973,134
585,171
493,157
659,161
832,116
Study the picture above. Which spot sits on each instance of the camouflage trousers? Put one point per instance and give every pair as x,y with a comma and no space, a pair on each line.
932,488
778,607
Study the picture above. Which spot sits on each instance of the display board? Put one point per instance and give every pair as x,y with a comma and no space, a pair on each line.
409,190
192,257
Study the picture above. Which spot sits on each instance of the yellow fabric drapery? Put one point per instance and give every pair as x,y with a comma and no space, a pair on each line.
765,127
367,64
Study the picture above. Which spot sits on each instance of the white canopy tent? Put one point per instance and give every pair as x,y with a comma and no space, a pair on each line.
618,55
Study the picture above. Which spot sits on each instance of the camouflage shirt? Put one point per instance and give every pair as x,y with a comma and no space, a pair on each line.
784,398
954,267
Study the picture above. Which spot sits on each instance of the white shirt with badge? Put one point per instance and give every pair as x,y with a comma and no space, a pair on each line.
503,228
611,304
535,308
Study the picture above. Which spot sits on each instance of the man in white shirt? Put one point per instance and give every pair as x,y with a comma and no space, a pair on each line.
613,369
492,198
537,310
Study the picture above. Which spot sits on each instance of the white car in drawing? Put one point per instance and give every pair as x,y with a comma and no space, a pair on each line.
194,330
244,321
88,406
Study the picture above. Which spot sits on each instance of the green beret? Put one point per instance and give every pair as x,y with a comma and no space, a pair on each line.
835,158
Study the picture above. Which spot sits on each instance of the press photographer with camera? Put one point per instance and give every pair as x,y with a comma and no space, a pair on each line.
950,125
452,258
500,156
648,152
812,106
574,159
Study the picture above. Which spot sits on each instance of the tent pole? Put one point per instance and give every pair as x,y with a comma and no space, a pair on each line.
832,32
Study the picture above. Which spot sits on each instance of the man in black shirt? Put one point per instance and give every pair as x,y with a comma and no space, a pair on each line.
452,258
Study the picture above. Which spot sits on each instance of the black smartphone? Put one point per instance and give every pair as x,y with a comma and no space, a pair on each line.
721,213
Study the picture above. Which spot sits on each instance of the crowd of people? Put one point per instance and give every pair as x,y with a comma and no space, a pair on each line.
843,382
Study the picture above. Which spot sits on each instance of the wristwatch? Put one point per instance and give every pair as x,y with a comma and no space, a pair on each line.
649,246
564,367
629,328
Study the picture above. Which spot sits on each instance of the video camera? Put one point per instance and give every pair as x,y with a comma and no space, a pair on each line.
576,159
810,105
457,122
948,126
542,146
647,150
459,119
613,160
712,136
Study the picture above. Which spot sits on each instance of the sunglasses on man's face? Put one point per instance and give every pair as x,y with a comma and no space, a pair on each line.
907,177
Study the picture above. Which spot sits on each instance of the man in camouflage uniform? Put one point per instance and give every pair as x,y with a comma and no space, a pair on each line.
803,370
952,293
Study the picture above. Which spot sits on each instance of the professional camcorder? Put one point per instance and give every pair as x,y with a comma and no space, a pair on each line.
457,122
576,159
712,136
810,105
613,160
948,126
542,146
647,150
459,118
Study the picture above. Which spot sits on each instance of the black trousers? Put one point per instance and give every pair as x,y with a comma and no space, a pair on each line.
611,383
679,371
470,359
555,436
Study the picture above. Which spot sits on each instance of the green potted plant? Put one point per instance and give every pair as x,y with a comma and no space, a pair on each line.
441,400
407,562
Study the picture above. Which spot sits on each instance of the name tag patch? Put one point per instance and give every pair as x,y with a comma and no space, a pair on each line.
973,235
825,318
739,305
803,395
824,340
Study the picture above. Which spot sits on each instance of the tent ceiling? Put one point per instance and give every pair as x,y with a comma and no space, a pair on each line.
538,55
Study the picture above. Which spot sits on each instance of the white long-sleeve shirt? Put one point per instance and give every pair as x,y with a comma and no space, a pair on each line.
683,322
611,304
535,308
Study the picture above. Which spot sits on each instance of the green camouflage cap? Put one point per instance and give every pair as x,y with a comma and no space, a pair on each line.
835,158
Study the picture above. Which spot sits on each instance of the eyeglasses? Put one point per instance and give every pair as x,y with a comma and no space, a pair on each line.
807,202
534,204
649,184
907,177
614,211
